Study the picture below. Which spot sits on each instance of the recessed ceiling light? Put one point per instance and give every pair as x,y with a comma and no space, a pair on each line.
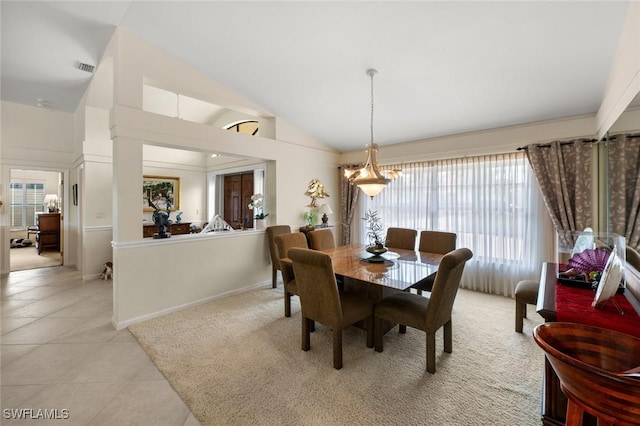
214,155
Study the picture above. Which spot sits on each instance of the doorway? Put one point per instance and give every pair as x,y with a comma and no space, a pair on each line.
35,217
238,189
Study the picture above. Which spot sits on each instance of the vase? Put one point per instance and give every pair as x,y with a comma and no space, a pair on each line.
260,223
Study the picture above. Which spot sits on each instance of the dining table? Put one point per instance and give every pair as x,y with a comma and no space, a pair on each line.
378,276
396,269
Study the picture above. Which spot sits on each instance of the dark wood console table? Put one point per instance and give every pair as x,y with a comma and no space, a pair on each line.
554,402
174,229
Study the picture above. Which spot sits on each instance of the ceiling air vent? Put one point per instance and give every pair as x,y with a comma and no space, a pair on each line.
86,67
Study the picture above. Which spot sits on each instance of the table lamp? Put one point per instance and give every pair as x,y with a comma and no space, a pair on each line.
51,200
325,210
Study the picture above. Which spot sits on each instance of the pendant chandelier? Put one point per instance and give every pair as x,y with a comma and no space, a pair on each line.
369,178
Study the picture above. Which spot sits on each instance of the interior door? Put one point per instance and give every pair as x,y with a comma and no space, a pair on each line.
238,189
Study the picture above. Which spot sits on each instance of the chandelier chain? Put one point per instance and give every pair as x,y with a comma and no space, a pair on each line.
372,74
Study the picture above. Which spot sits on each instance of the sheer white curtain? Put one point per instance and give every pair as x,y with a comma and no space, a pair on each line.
491,202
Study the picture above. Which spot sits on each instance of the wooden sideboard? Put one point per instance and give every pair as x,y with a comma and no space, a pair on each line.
48,234
554,401
174,229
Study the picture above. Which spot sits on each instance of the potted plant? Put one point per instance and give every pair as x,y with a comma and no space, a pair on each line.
257,205
374,233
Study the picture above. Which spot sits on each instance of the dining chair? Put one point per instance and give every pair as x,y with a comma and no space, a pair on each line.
426,313
283,243
321,301
434,242
272,231
401,238
633,257
321,239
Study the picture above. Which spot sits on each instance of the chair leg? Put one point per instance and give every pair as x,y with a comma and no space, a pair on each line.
377,335
419,292
287,304
431,352
274,276
306,336
369,327
337,348
519,315
448,337
402,329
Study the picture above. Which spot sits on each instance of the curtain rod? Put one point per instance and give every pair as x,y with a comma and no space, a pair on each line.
548,145
637,135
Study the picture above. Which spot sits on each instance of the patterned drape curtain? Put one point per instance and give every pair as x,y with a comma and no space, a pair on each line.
348,200
563,171
624,187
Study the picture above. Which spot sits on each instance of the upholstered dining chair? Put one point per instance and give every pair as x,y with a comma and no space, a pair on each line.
321,239
283,243
272,231
434,242
426,313
321,301
633,257
401,238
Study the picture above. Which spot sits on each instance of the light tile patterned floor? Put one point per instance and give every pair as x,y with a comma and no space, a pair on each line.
60,352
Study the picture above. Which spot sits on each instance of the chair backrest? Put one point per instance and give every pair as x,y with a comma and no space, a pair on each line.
401,238
633,257
437,242
284,242
272,231
445,288
319,297
321,239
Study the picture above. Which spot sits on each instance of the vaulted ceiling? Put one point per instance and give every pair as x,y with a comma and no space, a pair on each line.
444,67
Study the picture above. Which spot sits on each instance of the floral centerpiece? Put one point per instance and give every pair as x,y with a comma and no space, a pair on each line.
374,233
257,205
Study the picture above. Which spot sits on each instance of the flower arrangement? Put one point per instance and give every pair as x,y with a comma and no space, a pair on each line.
374,229
257,205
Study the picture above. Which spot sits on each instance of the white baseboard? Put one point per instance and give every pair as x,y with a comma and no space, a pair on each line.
124,324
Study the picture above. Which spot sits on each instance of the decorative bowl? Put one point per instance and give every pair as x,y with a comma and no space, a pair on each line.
376,251
596,366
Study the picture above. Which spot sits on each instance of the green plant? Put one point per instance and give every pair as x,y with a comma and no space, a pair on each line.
311,217
374,228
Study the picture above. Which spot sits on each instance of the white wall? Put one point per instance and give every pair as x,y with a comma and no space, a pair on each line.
153,276
624,78
34,139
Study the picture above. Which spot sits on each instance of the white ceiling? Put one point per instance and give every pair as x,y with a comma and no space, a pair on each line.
444,67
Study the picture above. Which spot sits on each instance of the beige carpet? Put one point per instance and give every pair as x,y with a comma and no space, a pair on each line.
28,258
237,361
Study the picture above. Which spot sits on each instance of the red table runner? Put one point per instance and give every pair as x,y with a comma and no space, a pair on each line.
573,304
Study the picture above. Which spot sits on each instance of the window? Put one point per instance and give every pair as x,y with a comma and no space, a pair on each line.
27,199
249,127
492,203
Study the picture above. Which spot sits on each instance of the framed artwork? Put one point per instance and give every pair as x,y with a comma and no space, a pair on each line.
161,191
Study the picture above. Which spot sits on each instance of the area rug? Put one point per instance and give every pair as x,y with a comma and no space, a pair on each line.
237,361
27,258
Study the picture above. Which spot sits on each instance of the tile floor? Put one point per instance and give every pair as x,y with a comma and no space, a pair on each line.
60,352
